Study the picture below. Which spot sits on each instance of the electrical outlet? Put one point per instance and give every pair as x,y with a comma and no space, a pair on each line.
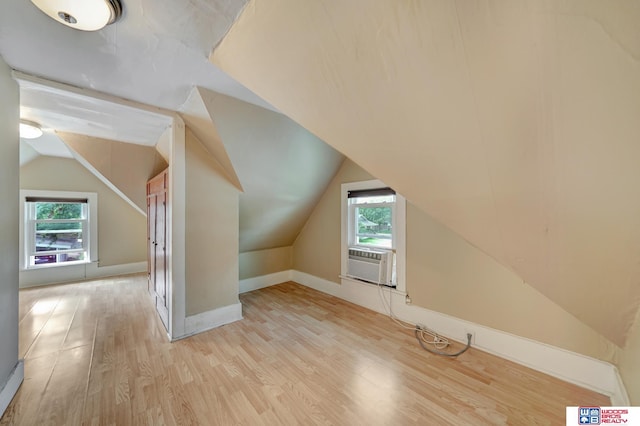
407,299
473,336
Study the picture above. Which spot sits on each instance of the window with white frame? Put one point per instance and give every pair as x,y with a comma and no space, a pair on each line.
58,229
371,217
373,232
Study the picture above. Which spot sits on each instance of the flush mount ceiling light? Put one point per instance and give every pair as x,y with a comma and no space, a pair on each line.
86,15
29,129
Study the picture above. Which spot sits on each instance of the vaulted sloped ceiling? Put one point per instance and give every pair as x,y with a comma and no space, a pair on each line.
124,167
196,116
283,169
515,123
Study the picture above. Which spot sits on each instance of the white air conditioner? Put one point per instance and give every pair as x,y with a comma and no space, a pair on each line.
375,266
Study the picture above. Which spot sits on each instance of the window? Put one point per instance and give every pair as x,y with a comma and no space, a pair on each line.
371,217
58,228
373,222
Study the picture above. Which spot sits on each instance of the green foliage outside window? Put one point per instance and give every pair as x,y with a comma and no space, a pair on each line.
52,235
58,211
374,226
376,219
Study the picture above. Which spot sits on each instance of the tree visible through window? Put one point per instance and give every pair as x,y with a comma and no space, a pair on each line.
373,214
58,231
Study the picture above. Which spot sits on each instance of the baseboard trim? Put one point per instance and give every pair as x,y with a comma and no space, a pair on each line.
8,391
620,398
208,320
95,271
73,273
581,370
255,283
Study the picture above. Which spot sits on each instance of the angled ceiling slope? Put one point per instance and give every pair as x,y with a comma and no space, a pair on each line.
514,123
196,116
282,168
113,138
126,167
27,153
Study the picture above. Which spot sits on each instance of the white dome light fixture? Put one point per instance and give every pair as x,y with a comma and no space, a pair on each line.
30,129
85,15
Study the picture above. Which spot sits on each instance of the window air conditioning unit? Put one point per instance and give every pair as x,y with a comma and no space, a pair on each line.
375,266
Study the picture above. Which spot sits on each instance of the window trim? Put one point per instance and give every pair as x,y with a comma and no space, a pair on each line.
27,237
32,233
399,218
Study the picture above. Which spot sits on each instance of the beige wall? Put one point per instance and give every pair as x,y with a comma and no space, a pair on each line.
122,231
510,122
316,250
198,118
9,217
282,167
630,364
125,165
211,232
448,275
264,262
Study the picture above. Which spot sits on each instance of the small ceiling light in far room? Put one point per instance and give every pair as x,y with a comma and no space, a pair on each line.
29,129
86,15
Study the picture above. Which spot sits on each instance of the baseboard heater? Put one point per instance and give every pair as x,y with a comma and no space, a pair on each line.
374,266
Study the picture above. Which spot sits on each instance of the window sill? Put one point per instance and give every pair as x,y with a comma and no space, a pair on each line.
53,265
384,287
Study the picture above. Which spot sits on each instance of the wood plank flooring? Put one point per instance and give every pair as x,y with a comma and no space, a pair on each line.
95,354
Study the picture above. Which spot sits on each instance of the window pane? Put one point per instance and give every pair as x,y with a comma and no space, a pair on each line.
375,199
57,228
374,226
39,260
58,236
59,210
57,258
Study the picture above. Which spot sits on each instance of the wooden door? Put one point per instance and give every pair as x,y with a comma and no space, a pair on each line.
156,243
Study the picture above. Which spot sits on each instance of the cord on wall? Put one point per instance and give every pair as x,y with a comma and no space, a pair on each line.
421,332
453,355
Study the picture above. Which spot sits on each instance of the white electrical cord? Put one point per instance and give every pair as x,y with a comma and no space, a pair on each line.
421,332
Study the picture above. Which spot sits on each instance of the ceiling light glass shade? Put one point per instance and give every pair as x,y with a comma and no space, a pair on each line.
86,15
29,130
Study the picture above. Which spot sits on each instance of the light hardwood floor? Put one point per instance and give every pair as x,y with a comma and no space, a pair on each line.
95,354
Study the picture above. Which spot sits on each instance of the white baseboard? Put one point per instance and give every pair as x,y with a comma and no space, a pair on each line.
620,398
71,273
584,371
255,283
9,389
208,320
96,271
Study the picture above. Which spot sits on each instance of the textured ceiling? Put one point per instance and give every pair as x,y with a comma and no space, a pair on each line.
514,123
154,55
65,109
